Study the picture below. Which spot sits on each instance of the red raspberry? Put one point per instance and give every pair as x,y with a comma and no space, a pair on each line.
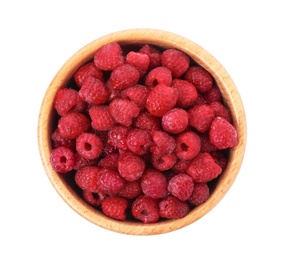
200,100
130,166
86,70
187,93
221,110
131,190
72,125
89,145
203,168
112,93
58,140
175,121
110,161
223,134
200,194
158,75
139,141
62,159
87,178
139,60
188,145
93,91
206,144
154,184
220,158
200,77
94,199
171,207
146,209
147,122
123,111
180,166
181,186
164,162
101,118
124,76
109,56
201,116
115,207
66,100
163,143
161,99
137,94
110,182
177,61
154,55
81,162
213,95
117,137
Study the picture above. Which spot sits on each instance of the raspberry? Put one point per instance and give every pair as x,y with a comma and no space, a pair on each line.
66,100
81,162
213,95
89,146
158,75
139,141
72,125
115,207
110,182
221,110
130,166
57,140
201,116
206,144
180,166
175,121
109,56
188,145
110,161
139,60
171,207
94,199
200,194
112,93
123,111
200,77
187,93
220,158
203,168
131,190
163,163
137,94
178,62
146,209
86,70
93,91
154,55
124,76
101,118
181,186
87,178
62,159
117,137
223,134
148,122
154,184
161,99
163,143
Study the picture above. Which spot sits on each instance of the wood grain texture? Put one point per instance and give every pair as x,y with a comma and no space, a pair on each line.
166,40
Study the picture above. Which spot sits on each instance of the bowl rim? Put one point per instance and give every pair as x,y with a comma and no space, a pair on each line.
164,39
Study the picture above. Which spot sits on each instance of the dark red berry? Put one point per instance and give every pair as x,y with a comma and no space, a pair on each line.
101,118
158,75
139,141
115,207
200,194
89,145
62,159
87,178
181,186
171,207
175,121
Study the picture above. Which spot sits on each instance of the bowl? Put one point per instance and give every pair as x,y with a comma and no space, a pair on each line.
161,39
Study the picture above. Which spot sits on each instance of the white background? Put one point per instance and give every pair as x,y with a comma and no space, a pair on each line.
37,37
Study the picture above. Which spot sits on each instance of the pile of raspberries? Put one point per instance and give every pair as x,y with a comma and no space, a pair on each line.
142,132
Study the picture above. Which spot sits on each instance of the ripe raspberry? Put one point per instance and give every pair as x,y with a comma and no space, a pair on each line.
171,207
101,118
203,168
180,166
110,161
131,190
200,194
72,125
92,198
58,141
139,60
201,116
187,93
181,186
161,99
93,91
178,62
89,145
206,144
66,100
188,145
115,207
221,110
154,184
154,55
220,158
223,134
163,143
109,56
110,182
158,75
213,95
86,70
87,178
146,209
62,159
130,166
200,77
81,162
123,111
112,93
148,122
124,76
117,137
175,121
139,141
164,162
137,94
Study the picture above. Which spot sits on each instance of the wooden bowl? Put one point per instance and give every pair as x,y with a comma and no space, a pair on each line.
165,40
